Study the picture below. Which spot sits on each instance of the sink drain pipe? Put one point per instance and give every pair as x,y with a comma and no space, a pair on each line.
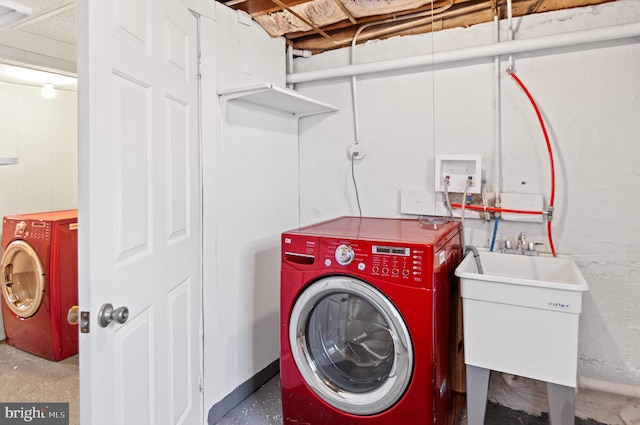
476,257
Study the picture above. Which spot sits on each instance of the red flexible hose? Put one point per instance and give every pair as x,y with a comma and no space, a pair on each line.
546,138
494,209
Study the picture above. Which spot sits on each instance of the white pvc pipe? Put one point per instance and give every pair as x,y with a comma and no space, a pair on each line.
498,117
356,126
301,53
510,19
510,25
290,64
488,51
608,387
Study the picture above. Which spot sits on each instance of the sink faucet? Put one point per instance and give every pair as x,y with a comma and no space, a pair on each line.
523,247
521,244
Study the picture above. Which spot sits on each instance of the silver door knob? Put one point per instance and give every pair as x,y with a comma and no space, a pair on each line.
108,314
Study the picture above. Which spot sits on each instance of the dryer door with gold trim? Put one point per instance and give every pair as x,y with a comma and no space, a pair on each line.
23,280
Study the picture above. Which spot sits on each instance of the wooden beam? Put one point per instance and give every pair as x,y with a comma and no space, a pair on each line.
262,7
365,20
344,36
306,21
345,11
466,15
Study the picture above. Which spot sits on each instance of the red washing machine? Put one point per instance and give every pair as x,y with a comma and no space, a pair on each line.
365,314
40,282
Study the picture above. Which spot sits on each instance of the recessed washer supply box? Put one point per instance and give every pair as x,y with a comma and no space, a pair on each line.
458,168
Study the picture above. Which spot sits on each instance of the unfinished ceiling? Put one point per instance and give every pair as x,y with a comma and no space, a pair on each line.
319,25
46,39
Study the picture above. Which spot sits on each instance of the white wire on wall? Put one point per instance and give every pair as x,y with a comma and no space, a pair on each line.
356,126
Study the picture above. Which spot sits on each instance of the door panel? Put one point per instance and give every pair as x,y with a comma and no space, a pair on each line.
130,23
131,119
140,212
134,371
178,179
180,381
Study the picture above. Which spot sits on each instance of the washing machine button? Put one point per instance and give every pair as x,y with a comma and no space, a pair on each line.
361,266
327,262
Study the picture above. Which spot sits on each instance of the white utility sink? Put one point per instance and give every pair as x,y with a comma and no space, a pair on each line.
521,315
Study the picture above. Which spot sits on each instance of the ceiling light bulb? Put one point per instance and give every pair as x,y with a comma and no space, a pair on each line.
48,92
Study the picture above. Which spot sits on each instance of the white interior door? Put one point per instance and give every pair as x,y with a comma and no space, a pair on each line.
139,212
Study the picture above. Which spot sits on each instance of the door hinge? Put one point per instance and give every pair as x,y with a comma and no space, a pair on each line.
201,383
85,322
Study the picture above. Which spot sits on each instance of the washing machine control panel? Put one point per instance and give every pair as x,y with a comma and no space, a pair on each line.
401,263
31,229
39,230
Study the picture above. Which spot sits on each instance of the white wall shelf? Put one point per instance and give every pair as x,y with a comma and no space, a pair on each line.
276,98
4,160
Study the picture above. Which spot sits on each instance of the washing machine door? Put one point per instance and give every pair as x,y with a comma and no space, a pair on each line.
351,345
22,279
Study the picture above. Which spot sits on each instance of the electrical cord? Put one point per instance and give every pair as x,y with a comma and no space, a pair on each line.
355,184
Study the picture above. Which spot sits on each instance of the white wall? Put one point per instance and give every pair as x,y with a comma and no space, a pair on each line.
250,172
42,134
590,99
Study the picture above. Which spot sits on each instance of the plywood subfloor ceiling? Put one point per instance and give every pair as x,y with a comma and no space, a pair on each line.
319,25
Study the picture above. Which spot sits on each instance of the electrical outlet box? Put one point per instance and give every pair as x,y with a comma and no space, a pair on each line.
522,201
356,151
458,168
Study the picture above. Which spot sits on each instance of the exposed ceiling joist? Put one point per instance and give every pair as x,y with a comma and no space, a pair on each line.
320,25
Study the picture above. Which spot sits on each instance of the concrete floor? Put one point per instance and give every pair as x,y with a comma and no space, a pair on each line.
263,408
29,378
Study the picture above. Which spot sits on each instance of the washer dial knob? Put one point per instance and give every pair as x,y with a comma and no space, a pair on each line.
344,255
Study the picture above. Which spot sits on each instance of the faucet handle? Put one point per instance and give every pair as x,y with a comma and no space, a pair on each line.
531,246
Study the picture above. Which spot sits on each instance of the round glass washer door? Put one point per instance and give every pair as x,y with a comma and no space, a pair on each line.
351,345
22,279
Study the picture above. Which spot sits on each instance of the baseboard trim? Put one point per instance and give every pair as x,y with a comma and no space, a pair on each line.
243,391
